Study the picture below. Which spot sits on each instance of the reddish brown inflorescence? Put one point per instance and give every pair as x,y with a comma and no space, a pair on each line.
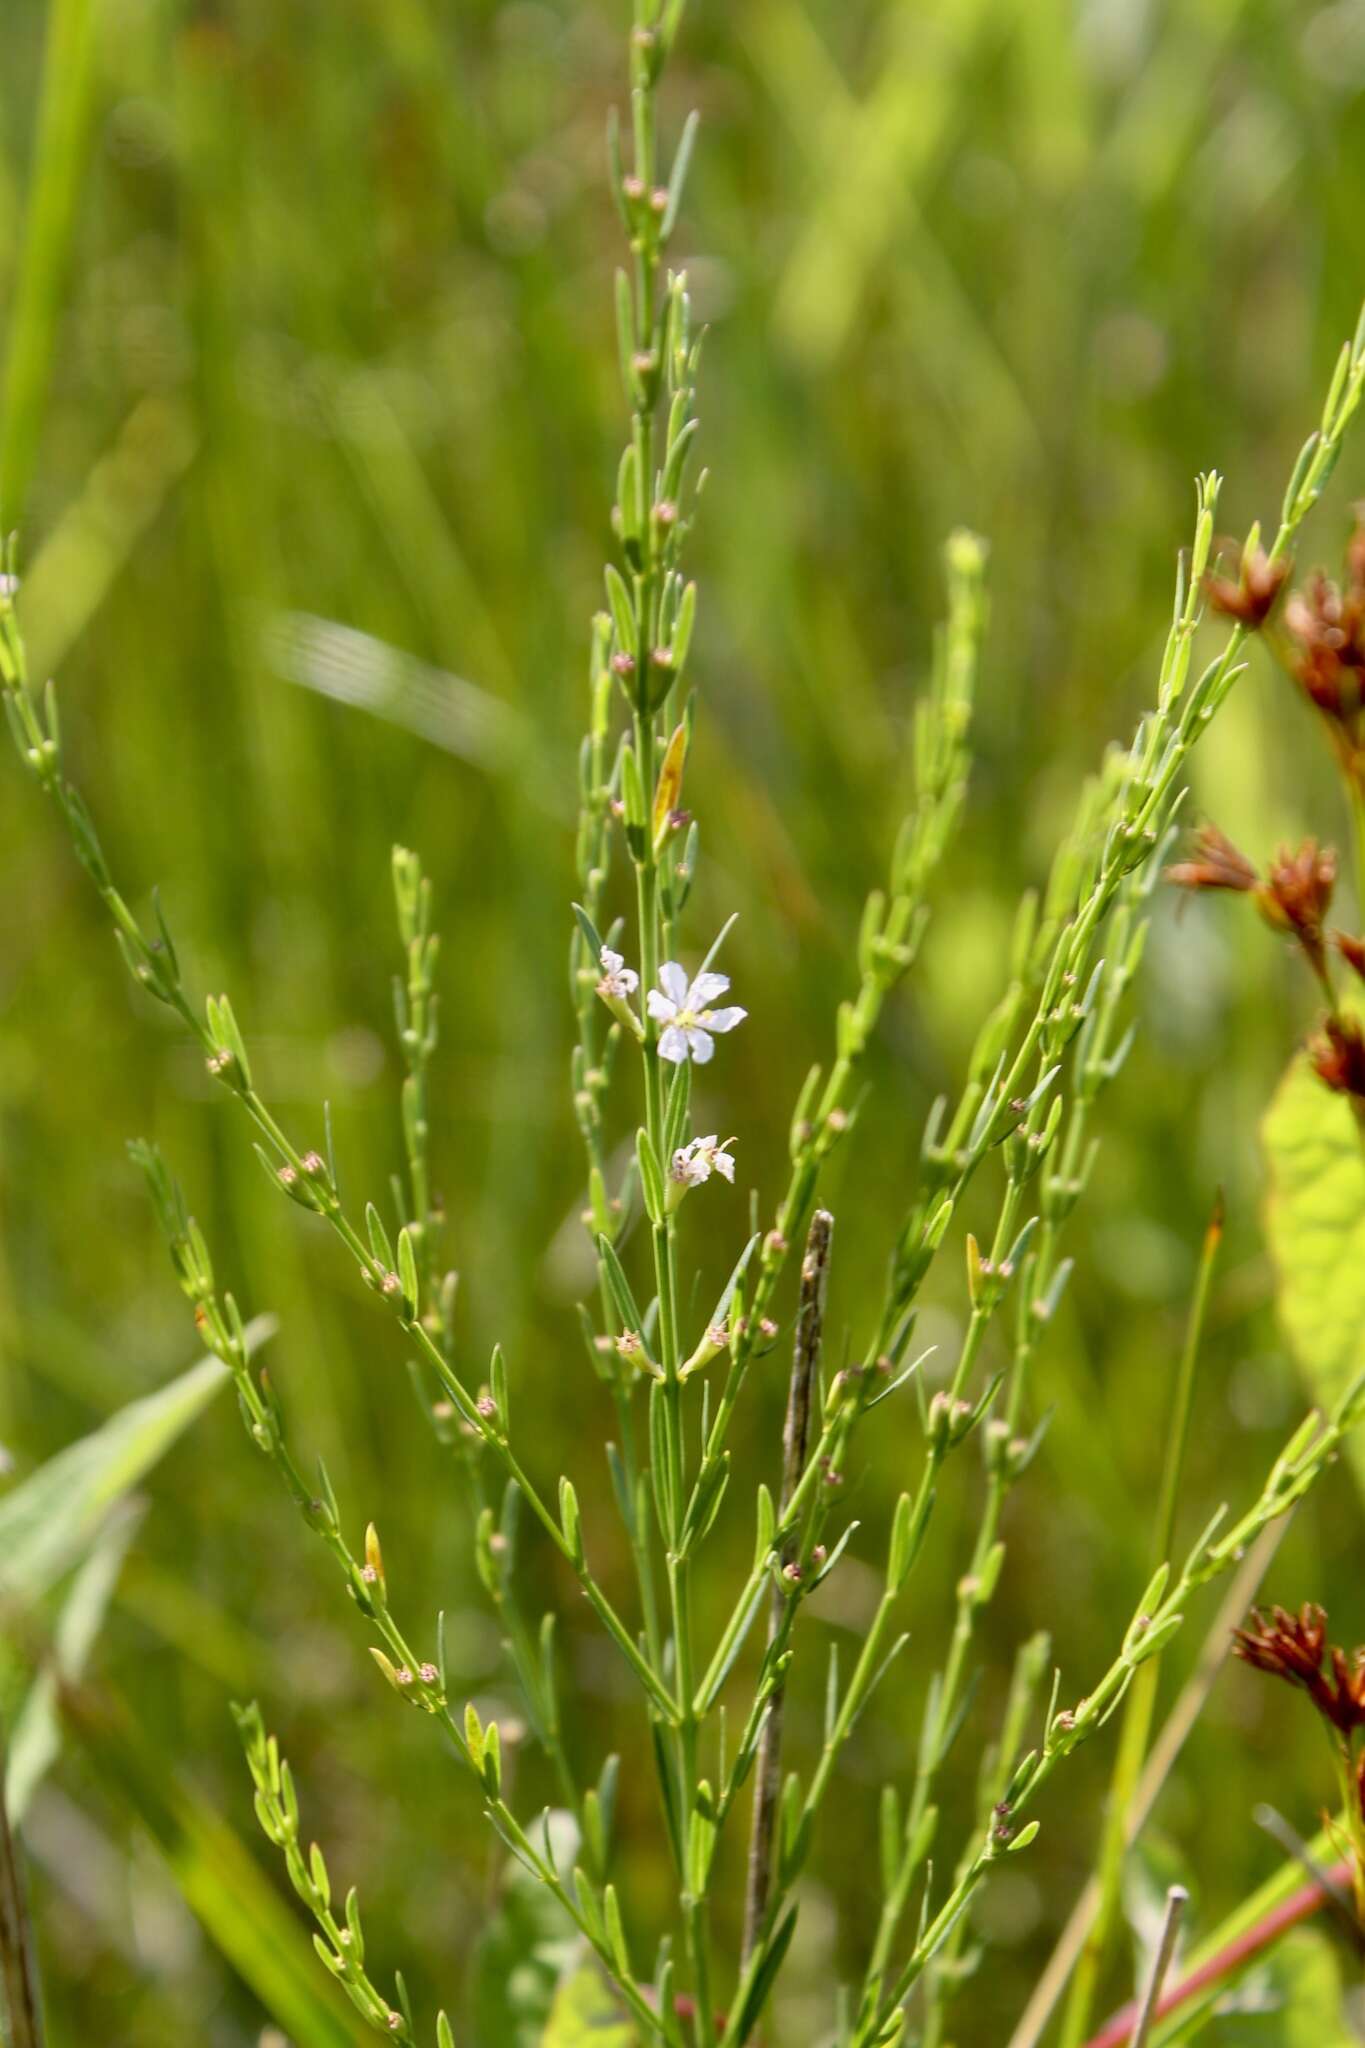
1338,1056
1326,624
1215,863
1293,1647
1293,897
1297,893
1250,597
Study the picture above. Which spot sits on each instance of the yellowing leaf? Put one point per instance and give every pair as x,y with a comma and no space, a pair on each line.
1315,1223
669,786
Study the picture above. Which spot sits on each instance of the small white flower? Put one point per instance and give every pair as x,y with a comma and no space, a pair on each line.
696,1161
682,1008
617,979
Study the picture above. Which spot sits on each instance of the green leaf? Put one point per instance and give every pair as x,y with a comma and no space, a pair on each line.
1315,1223
36,1740
525,1951
247,1920
585,2014
1291,1999
51,1518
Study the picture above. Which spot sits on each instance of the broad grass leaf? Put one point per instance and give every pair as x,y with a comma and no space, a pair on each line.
36,1740
51,1518
526,1950
1315,1221
263,1938
1291,2000
585,2014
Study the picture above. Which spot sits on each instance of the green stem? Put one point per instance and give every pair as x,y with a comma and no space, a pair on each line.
1140,1705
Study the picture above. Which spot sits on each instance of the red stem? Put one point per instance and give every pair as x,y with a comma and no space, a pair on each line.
1300,1905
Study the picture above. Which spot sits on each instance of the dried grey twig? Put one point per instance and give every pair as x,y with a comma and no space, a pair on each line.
810,1330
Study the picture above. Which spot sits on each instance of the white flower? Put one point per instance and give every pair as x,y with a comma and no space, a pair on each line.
696,1161
617,978
682,1010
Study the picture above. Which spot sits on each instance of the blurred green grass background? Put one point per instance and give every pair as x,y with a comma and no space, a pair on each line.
307,321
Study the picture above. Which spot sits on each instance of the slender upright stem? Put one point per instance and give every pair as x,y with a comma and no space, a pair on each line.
1176,1900
1138,1708
810,1324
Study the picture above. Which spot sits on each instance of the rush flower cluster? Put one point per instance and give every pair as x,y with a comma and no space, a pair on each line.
1326,626
1294,1647
1294,896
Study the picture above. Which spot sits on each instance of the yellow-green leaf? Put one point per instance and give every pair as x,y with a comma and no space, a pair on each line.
585,2014
1291,1998
1315,1221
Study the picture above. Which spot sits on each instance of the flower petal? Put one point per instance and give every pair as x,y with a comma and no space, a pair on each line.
659,1006
705,989
724,1020
673,982
673,1045
702,1044
611,961
628,979
724,1164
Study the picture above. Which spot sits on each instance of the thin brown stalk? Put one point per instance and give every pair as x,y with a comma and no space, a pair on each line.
17,1971
810,1324
1176,1900
1222,1967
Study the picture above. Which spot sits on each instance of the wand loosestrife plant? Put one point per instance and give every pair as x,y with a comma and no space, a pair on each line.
648,1010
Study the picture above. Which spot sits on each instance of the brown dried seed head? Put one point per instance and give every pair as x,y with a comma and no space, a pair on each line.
1292,1646
1251,596
1215,864
1338,1057
1297,893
